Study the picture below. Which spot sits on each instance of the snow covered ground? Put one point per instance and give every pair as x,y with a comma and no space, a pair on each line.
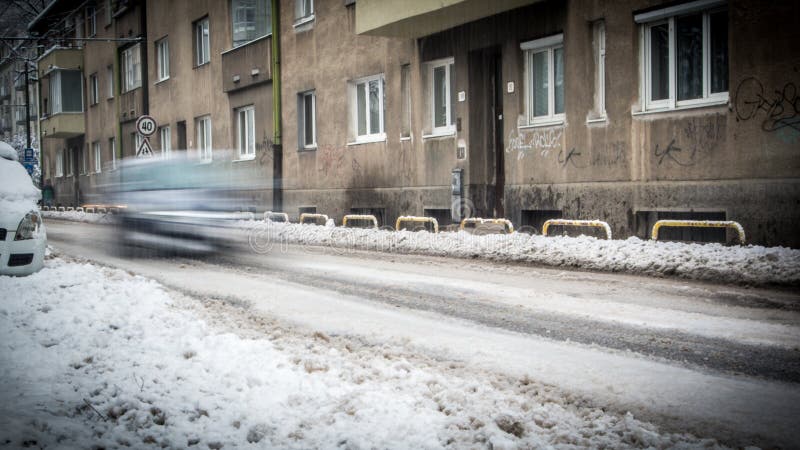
751,264
93,356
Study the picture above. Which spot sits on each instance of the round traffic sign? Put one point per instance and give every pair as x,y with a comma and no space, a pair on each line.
146,125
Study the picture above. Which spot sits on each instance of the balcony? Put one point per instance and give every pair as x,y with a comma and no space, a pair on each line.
60,58
247,65
418,18
63,125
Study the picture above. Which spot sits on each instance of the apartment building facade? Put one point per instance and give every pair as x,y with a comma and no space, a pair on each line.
626,111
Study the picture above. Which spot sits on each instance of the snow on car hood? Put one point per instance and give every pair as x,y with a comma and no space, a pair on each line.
18,195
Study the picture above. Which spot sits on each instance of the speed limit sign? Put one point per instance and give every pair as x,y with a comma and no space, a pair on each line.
146,125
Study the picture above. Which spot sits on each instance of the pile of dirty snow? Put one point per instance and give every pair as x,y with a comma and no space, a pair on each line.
749,264
98,358
78,216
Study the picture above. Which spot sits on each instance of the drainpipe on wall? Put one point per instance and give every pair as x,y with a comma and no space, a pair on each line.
277,147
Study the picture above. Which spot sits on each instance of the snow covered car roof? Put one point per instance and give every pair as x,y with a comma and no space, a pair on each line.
18,195
8,152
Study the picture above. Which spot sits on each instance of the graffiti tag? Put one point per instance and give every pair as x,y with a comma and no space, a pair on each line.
781,107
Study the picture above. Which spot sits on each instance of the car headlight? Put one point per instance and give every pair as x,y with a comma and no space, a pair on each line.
28,226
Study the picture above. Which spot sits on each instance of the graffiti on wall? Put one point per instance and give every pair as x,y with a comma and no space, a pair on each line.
330,159
612,155
697,138
571,157
264,148
542,141
780,108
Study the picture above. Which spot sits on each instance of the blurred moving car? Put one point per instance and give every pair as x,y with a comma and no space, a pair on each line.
23,238
176,205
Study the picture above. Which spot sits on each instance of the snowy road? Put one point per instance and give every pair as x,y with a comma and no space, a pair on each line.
717,361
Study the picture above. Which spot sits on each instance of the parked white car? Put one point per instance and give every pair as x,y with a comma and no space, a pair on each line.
23,238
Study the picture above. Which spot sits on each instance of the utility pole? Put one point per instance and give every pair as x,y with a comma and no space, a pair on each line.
27,108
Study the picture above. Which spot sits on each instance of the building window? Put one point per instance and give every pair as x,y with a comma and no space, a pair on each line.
131,68
94,89
109,11
203,127
685,56
303,11
110,76
112,148
599,47
202,42
85,160
59,162
69,162
165,139
162,59
97,157
136,140
544,80
366,98
66,91
441,75
307,119
245,132
252,19
405,92
91,21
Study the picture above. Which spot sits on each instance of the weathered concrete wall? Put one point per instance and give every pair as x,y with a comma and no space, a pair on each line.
398,176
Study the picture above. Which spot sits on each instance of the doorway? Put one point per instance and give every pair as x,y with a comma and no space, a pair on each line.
486,130
181,135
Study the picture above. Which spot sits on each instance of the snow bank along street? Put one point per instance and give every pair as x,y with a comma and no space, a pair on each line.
96,357
749,264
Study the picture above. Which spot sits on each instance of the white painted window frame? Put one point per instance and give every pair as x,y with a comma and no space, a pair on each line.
668,16
202,126
98,161
165,141
162,59
59,163
599,34
302,14
302,120
202,31
245,117
354,86
112,147
547,44
132,68
91,20
449,65
110,75
94,89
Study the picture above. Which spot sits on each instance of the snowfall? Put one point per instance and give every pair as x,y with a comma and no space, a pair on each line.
95,357
748,264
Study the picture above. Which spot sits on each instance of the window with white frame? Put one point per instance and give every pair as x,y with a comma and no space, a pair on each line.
68,155
405,93
110,77
91,21
366,99
307,119
94,89
685,55
203,127
544,80
131,68
136,140
251,19
66,91
303,10
162,59
85,160
246,132
60,162
441,74
165,139
599,47
98,161
112,148
202,42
